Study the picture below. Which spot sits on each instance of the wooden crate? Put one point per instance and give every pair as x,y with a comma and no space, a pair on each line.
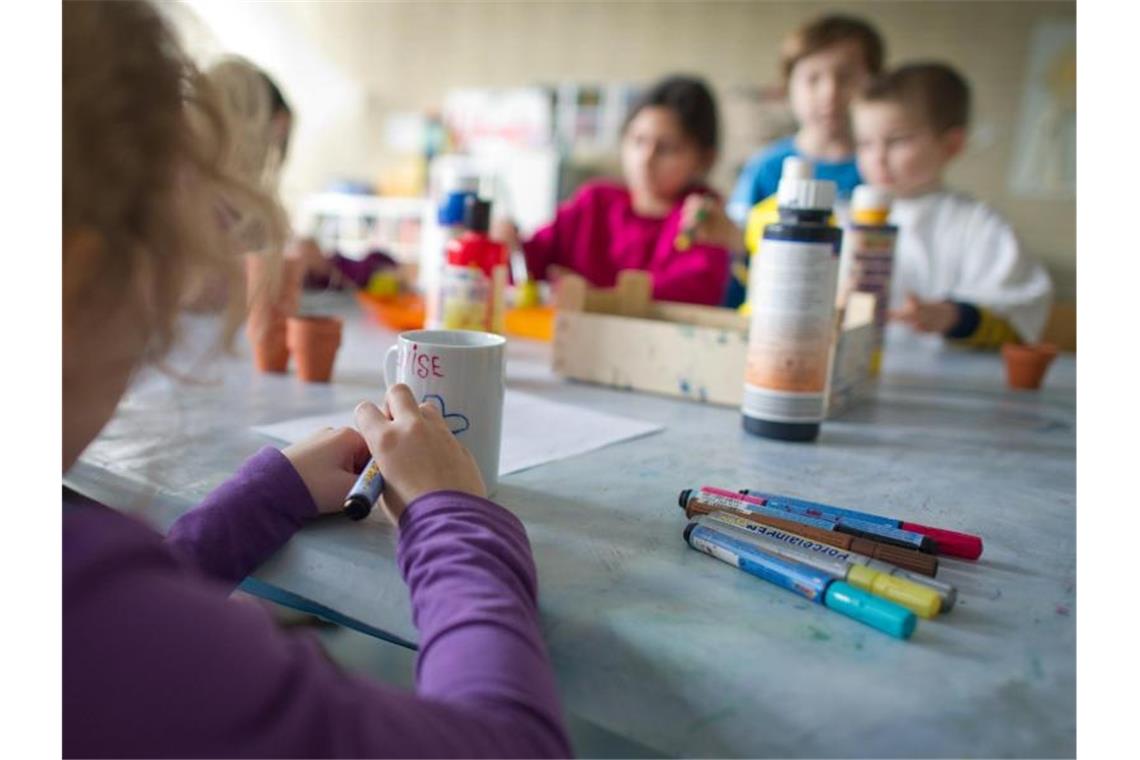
622,338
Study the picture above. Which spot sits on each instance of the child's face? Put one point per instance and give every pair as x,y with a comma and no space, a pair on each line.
898,150
658,159
822,84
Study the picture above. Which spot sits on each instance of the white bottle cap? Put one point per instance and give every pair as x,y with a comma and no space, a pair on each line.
795,167
870,198
798,190
466,183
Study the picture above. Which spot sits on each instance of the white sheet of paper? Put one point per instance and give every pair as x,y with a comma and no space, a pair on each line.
535,430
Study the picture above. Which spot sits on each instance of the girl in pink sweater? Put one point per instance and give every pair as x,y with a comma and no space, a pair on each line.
669,143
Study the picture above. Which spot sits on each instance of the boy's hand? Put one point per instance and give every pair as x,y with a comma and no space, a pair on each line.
505,232
329,462
704,221
416,452
927,316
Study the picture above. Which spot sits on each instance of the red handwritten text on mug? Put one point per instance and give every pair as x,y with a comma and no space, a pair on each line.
424,365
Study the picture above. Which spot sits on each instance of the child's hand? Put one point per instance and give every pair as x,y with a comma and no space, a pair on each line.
307,250
416,452
703,220
329,462
927,316
505,232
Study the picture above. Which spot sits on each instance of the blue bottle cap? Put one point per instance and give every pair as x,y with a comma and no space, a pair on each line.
451,209
888,617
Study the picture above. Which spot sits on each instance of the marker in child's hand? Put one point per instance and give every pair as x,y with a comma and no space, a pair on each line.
365,492
684,239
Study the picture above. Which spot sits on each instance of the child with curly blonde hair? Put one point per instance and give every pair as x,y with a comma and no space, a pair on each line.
158,661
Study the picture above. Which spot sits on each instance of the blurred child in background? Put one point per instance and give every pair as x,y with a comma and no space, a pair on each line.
669,143
823,64
959,269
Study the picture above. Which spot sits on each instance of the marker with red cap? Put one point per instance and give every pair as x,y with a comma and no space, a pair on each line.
948,542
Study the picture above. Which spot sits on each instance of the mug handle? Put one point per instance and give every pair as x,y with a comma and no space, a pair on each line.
390,365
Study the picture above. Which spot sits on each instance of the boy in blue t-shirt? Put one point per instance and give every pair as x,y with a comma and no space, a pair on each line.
823,64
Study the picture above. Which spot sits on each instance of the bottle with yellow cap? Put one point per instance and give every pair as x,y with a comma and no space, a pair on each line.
867,260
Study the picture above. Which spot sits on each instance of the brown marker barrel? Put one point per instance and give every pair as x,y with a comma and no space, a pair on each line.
908,559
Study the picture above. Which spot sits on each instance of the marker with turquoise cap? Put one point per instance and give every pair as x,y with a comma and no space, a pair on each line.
812,584
947,594
920,600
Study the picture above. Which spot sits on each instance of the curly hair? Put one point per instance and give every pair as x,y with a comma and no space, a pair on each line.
247,96
145,172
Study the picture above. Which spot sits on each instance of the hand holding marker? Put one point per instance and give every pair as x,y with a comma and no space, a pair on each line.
365,492
684,239
421,455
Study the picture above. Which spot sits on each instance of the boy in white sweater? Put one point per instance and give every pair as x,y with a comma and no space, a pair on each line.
959,270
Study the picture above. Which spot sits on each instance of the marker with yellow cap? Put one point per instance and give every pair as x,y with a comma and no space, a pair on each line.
920,600
813,584
947,594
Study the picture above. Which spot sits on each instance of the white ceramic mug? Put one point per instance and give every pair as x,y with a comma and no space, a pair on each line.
463,373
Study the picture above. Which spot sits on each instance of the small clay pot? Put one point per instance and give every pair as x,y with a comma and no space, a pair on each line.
314,341
1026,365
270,302
271,354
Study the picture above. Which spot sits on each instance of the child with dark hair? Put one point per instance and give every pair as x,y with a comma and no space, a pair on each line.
959,269
669,143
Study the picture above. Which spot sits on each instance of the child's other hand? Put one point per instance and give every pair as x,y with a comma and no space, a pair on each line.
703,218
926,316
329,462
505,232
416,452
307,250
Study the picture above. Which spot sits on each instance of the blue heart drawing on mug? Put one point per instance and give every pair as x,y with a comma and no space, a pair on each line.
456,422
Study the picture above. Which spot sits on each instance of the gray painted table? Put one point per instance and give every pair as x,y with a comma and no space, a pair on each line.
671,650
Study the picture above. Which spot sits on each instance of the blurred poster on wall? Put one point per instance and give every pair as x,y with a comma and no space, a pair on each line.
1045,152
488,119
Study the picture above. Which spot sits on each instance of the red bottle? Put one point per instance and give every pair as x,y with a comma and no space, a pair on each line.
475,279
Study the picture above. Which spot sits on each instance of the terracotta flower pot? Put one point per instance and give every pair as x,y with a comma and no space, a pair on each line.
314,341
1026,365
270,301
271,354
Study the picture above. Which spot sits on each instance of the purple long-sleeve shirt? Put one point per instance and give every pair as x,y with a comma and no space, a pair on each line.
158,661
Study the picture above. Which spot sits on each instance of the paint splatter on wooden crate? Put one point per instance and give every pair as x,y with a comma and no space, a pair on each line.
620,337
